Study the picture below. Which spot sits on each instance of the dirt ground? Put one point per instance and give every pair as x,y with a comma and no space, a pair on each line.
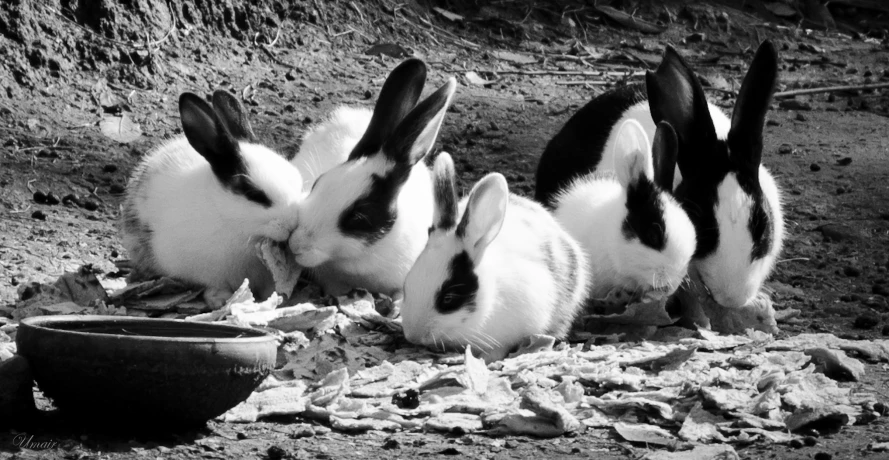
67,66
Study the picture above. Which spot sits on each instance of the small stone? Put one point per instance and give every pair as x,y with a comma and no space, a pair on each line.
845,161
696,37
317,98
39,215
368,94
114,254
866,321
71,199
391,444
117,189
410,399
823,456
290,75
277,453
801,117
831,97
450,451
307,120
303,431
851,271
39,197
241,436
796,444
814,167
90,205
109,168
773,123
810,441
52,199
785,149
840,190
494,126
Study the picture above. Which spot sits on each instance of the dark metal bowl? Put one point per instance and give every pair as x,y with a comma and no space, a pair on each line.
113,368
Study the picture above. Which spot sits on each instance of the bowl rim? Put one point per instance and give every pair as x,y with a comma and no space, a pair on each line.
39,323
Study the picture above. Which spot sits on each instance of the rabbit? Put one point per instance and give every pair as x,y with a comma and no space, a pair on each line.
505,272
329,143
365,221
196,205
730,197
637,237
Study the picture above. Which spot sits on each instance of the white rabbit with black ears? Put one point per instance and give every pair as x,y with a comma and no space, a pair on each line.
366,220
505,272
732,200
637,237
197,205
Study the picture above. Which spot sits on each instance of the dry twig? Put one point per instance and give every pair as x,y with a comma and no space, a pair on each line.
829,89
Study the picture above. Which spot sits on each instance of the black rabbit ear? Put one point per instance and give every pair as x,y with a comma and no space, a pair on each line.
208,136
663,153
232,113
749,116
445,192
398,96
416,134
675,95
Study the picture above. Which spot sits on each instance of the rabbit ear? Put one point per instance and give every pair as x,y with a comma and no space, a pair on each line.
484,214
209,137
231,112
416,134
675,95
631,152
748,118
398,96
445,191
663,155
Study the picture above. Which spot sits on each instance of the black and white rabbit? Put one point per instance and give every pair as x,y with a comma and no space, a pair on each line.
636,236
497,268
365,221
196,205
329,143
732,200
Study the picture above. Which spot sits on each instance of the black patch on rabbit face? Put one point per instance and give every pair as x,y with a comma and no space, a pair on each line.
760,223
460,287
233,176
645,214
576,149
372,215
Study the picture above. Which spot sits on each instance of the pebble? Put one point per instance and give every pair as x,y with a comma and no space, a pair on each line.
39,215
290,75
39,197
814,167
277,453
110,168
840,190
70,199
801,117
866,321
90,205
785,149
810,441
823,456
368,94
117,189
391,444
317,98
451,451
845,161
796,444
304,431
773,123
831,97
52,199
851,271
307,120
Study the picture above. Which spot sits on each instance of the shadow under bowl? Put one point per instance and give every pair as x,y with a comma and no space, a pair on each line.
111,369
